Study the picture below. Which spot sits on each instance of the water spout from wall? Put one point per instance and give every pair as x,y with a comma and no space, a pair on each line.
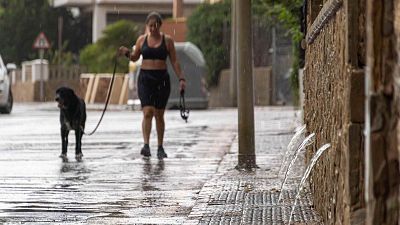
307,141
313,161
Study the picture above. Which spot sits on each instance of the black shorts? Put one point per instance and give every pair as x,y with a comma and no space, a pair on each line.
154,88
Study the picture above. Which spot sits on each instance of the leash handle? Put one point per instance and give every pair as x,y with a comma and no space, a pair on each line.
182,106
107,100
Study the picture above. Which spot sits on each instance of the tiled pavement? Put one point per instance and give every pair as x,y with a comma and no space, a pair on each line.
241,197
197,184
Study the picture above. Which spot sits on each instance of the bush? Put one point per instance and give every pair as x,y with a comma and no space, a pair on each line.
22,21
100,56
209,29
286,13
206,30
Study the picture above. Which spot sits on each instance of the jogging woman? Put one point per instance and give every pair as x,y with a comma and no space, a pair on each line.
153,82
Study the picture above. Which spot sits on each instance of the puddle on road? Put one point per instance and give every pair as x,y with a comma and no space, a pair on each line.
110,170
183,155
152,173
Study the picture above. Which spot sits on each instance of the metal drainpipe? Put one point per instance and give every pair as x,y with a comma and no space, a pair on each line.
367,133
369,89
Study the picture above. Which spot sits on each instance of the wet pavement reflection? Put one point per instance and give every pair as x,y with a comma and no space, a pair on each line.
112,184
152,173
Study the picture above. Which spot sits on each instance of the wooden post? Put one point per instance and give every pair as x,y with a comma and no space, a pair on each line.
94,89
124,90
89,88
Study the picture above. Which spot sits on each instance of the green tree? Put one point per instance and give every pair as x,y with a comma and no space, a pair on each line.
22,20
2,5
99,57
288,14
207,26
210,23
63,57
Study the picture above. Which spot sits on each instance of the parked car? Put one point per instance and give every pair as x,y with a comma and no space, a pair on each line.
193,66
6,97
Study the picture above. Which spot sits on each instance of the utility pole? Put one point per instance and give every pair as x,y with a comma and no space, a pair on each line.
233,77
246,157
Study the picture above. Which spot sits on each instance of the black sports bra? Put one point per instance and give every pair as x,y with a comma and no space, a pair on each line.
160,52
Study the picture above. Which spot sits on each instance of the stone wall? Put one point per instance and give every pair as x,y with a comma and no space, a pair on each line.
97,92
383,172
219,96
333,110
324,106
30,91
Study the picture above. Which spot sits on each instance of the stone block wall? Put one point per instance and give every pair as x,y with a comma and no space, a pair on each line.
382,152
334,110
98,91
325,90
30,91
219,96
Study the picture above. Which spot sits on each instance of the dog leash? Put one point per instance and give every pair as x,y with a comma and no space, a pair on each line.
182,106
107,100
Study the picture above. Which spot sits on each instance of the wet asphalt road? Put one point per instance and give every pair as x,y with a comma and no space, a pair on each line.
113,184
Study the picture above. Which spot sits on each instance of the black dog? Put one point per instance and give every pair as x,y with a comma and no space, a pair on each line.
72,117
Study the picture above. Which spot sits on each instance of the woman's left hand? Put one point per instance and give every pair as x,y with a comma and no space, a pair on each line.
182,84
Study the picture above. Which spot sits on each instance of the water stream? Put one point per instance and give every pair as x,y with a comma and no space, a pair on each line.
313,161
307,141
293,144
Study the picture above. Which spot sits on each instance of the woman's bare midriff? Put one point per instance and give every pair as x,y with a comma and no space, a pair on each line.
153,64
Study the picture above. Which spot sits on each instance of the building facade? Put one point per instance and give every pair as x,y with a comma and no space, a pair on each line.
105,12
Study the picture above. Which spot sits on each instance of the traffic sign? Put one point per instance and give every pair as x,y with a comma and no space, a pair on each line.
41,42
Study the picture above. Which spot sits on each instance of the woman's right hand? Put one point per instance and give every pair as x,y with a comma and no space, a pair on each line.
122,51
182,85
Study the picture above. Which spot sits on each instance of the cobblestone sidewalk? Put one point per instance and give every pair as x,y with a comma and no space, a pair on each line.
240,197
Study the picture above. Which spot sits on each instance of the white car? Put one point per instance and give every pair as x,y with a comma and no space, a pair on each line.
6,98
